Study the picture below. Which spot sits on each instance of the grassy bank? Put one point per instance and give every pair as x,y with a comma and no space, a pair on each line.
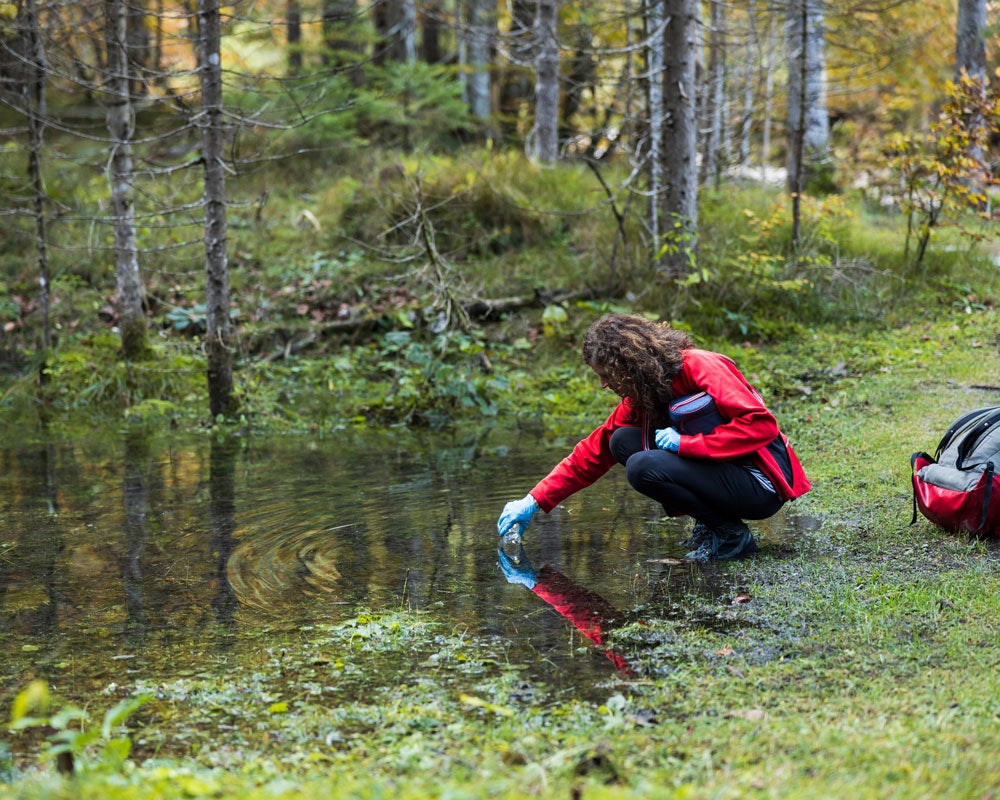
861,660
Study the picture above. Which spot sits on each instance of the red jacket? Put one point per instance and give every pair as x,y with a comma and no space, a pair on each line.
750,431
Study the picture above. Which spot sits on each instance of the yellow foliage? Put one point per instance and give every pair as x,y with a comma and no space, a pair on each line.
34,700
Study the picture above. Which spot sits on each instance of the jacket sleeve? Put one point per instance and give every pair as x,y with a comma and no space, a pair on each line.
590,459
749,425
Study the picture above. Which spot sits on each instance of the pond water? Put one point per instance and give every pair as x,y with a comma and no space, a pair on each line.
152,554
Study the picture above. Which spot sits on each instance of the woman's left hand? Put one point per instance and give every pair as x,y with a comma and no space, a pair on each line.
667,439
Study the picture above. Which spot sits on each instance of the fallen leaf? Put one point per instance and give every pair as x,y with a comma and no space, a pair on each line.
477,702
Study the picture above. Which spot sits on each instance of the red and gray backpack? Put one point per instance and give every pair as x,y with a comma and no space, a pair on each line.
956,489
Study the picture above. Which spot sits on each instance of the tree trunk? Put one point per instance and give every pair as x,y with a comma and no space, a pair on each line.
654,89
482,24
218,345
715,96
432,27
138,49
765,143
679,208
34,96
970,39
293,21
408,31
544,141
389,17
516,92
970,61
339,46
808,118
747,72
582,77
120,116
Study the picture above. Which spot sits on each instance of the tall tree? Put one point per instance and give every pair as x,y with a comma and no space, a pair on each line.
655,41
970,62
394,21
293,23
432,28
408,30
715,97
515,76
120,117
340,47
544,141
808,117
481,30
770,45
218,339
970,39
679,154
33,90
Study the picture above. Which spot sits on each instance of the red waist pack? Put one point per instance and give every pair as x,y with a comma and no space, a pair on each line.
956,488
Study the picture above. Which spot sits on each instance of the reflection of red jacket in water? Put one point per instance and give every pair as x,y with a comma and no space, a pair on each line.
587,610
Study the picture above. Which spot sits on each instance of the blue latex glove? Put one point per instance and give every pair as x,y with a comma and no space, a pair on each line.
517,511
522,572
668,439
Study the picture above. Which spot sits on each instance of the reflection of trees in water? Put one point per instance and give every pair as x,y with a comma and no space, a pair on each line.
142,476
370,521
291,527
30,590
222,522
135,503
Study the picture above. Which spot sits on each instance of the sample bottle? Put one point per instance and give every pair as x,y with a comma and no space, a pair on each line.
511,545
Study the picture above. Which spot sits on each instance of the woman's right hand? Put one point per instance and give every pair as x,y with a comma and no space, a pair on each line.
517,511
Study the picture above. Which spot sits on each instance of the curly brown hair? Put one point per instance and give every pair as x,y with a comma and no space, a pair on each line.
641,357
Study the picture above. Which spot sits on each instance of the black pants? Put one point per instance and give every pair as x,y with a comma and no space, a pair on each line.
713,492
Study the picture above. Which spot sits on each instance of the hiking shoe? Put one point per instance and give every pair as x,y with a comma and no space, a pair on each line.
699,533
706,548
734,540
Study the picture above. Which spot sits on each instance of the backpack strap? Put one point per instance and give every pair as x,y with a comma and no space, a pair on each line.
956,426
988,474
913,463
